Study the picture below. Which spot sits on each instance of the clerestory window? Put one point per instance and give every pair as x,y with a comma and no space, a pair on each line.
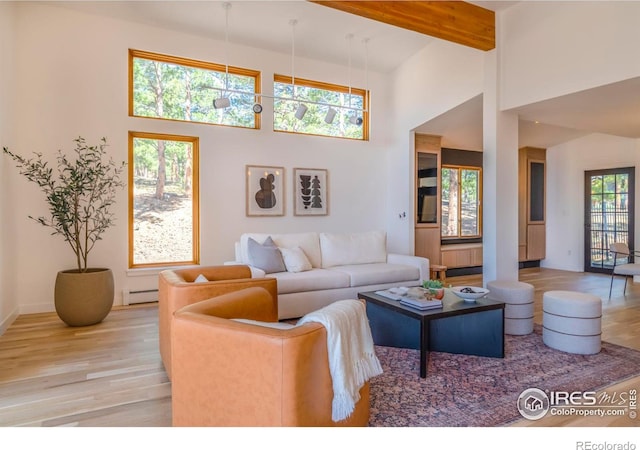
175,88
351,118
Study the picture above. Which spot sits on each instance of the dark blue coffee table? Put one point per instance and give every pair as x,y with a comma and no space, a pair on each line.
468,328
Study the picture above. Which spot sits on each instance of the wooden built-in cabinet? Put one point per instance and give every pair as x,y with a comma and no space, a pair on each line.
461,255
531,207
428,216
427,197
532,204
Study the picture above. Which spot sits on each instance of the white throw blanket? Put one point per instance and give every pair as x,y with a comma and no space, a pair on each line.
352,358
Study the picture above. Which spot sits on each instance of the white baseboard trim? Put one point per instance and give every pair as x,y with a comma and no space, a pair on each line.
37,308
8,320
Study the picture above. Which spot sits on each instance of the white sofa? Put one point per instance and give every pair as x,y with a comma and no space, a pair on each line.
341,265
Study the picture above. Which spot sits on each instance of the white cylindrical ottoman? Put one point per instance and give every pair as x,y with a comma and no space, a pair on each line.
571,322
518,299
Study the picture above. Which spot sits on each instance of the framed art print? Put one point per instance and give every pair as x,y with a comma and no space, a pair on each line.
265,191
311,192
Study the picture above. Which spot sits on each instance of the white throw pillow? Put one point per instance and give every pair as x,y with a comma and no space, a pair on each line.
277,325
308,242
295,259
200,279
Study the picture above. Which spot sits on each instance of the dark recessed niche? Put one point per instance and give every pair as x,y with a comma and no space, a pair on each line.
536,190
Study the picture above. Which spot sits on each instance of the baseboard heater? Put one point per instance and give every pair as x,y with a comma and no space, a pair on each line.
140,296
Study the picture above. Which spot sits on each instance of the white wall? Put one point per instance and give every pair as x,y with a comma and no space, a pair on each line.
499,180
547,49
438,78
72,81
553,48
8,301
566,165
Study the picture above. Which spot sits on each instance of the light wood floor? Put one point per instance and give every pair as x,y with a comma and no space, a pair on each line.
111,375
108,374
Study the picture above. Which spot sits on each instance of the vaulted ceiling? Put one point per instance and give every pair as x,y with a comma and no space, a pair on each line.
612,109
395,31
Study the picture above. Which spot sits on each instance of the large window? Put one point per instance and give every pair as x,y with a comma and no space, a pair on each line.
163,200
461,206
349,104
169,87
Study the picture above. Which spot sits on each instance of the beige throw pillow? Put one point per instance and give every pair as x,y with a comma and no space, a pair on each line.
295,259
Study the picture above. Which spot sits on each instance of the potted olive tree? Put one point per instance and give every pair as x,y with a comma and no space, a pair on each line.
80,192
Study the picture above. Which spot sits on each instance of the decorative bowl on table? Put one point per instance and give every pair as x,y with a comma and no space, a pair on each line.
469,293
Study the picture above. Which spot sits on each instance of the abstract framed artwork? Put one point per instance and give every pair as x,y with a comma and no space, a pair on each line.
311,192
265,191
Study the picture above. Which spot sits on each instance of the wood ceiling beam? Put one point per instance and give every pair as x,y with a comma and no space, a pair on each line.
455,21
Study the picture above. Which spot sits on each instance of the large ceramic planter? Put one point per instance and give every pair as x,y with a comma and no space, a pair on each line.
83,299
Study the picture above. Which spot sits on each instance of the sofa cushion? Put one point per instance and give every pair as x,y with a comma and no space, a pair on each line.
295,260
308,242
265,256
339,249
311,280
379,273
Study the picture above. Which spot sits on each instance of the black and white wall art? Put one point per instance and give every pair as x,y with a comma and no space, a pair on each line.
311,192
265,191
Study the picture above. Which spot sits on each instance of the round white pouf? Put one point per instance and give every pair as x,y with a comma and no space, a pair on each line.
518,310
571,322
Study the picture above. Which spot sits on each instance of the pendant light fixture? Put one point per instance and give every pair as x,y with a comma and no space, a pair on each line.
302,108
355,119
224,101
331,114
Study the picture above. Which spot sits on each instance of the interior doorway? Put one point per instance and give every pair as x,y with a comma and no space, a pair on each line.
609,211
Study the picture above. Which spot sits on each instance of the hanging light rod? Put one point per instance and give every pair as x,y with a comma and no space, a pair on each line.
289,99
355,119
224,101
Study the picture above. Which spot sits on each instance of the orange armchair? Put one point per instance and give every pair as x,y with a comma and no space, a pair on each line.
229,373
176,288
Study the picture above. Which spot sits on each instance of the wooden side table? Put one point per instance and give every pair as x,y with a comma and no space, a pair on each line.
438,272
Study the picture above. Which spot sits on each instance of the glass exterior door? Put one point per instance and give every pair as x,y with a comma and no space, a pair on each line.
609,206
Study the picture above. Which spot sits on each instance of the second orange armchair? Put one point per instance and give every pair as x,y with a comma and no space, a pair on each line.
177,288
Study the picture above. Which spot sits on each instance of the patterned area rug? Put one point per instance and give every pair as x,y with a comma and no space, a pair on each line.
473,391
